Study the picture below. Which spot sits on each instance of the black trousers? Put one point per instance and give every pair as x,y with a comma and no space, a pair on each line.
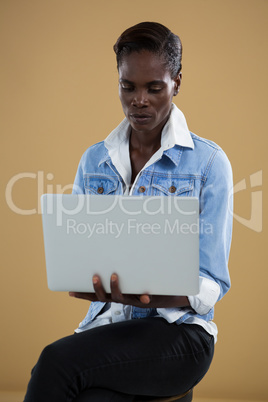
115,362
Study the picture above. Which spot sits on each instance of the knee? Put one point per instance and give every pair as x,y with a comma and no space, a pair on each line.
50,360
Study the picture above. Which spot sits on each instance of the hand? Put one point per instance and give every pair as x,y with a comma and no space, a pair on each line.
115,296
145,300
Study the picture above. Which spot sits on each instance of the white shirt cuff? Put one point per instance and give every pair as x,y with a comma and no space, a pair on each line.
208,295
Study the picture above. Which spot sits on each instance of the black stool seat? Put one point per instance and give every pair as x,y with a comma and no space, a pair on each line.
187,397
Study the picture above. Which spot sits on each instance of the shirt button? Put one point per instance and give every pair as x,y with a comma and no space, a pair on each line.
172,189
100,190
142,189
117,312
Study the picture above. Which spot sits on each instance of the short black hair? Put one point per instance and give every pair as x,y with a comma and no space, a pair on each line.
154,37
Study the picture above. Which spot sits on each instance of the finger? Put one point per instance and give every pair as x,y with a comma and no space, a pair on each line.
145,299
116,294
99,289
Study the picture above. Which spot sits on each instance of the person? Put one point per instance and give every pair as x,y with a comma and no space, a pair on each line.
146,345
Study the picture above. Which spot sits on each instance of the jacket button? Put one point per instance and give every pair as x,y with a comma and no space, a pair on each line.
100,190
172,189
142,189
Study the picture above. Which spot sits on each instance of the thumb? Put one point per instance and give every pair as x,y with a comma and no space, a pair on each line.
145,299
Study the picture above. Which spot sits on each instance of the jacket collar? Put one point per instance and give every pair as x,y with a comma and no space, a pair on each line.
174,133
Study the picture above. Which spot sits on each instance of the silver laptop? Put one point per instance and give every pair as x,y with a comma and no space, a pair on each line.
152,243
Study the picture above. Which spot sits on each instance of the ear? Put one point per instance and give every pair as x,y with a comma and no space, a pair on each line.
177,83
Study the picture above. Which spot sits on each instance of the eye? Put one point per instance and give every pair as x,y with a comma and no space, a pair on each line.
155,90
127,88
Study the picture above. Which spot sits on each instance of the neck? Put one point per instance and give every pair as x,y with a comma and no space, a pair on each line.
144,142
147,141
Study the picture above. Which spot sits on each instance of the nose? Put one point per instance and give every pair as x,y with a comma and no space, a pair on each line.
140,99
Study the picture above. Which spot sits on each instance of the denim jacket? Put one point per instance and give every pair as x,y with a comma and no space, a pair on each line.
201,170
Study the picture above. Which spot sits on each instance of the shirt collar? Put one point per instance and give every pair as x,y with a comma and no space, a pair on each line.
175,132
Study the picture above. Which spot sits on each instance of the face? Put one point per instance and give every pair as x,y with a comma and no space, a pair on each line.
146,90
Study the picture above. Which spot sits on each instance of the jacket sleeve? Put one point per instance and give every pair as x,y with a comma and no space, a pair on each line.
78,186
216,218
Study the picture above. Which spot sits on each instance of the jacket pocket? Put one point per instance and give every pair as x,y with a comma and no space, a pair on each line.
172,186
100,184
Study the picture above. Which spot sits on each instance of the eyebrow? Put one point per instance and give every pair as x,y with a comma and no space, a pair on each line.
155,82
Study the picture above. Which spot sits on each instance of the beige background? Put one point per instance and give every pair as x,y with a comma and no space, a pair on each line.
59,96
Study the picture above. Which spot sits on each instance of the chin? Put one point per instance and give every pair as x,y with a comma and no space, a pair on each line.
141,127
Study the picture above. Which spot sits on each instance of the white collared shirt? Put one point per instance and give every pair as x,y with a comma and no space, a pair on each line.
175,132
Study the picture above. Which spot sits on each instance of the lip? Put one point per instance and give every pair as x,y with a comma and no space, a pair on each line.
140,118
